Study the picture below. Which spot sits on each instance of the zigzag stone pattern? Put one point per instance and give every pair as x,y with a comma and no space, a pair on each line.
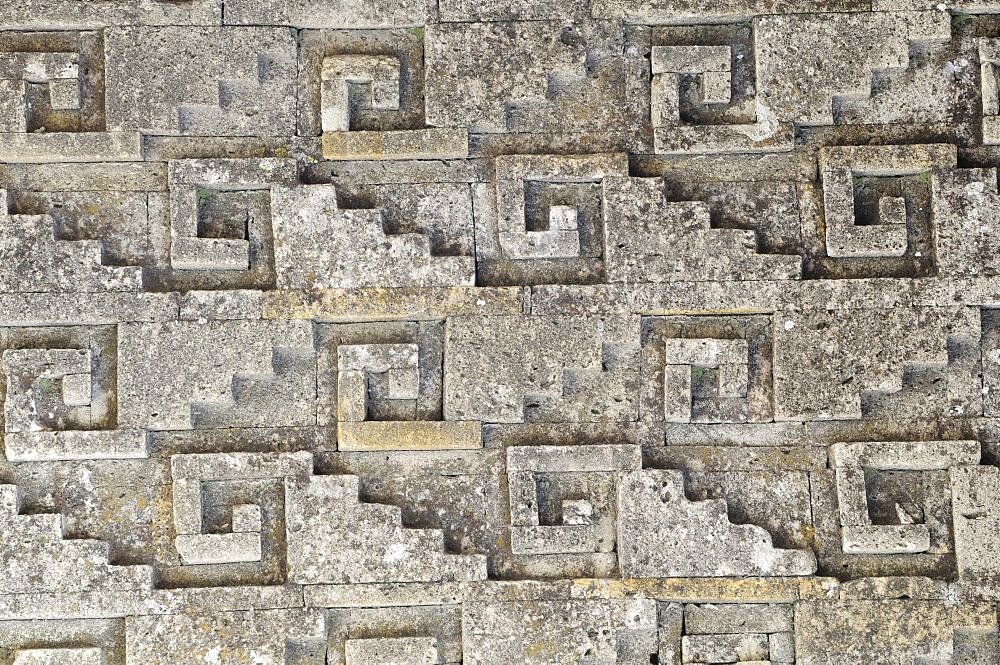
499,332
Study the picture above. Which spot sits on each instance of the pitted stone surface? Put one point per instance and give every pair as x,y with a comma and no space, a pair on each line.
542,332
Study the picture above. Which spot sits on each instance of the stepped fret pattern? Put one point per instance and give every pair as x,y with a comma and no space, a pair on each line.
499,332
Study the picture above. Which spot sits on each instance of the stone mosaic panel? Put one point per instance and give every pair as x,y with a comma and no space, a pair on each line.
543,332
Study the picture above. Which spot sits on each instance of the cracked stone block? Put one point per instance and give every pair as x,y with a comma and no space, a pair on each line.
214,203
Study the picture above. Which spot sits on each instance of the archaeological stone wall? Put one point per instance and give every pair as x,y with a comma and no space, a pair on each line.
499,332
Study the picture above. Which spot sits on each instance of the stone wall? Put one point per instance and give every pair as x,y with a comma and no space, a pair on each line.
399,332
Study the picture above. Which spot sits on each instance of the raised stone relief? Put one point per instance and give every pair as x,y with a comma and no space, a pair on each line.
499,332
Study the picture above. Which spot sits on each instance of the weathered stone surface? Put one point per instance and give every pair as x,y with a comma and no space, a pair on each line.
215,81
335,538
587,62
328,13
853,461
881,631
975,504
33,258
407,144
850,48
737,619
687,11
841,354
226,637
176,393
370,651
622,631
361,253
40,559
416,435
661,533
586,367
357,332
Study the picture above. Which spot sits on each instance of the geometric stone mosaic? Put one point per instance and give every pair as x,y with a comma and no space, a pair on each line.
482,332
